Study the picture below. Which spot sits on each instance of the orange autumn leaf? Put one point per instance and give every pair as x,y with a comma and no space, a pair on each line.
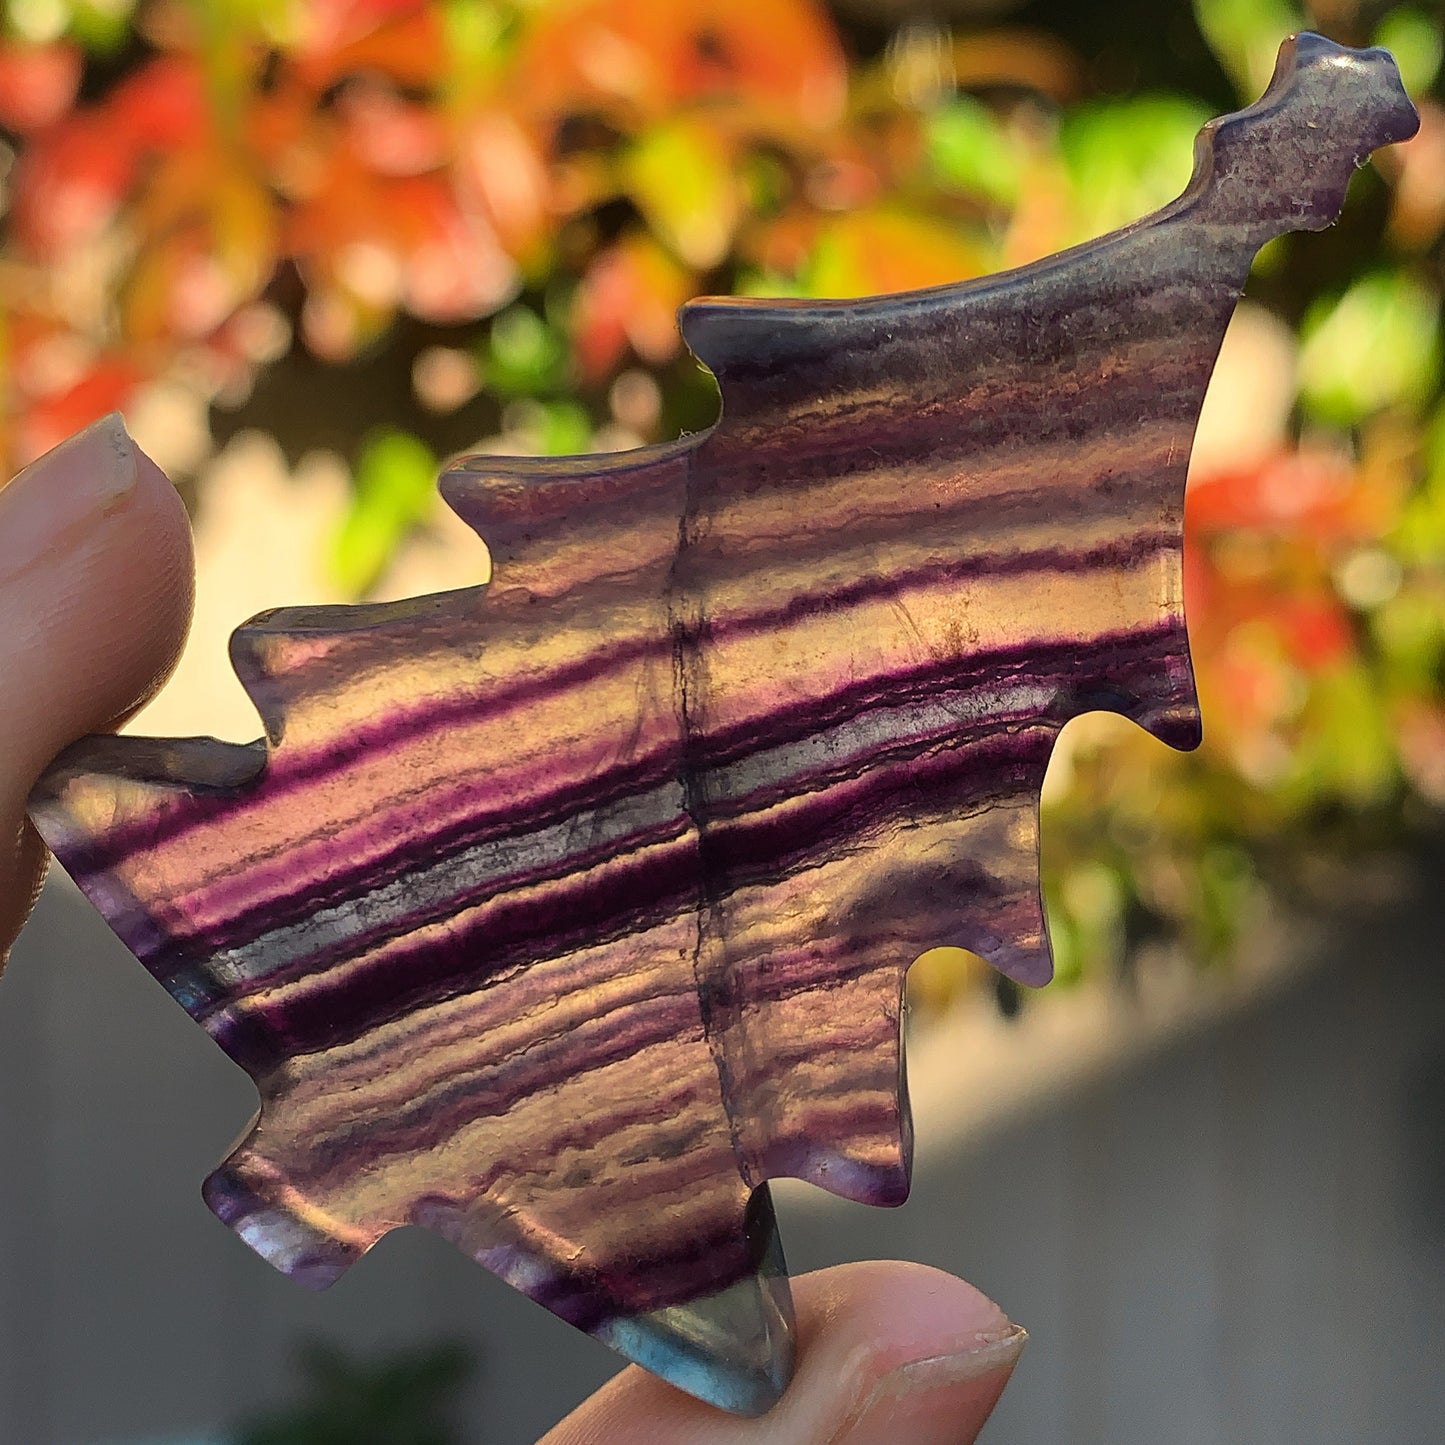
646,58
782,246
387,242
344,204
330,25
1420,730
629,297
1029,59
1417,214
74,177
280,131
500,168
1245,691
865,253
455,268
849,176
210,233
403,40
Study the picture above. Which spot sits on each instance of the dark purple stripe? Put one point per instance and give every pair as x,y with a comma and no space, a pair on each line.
246,924
623,900
284,774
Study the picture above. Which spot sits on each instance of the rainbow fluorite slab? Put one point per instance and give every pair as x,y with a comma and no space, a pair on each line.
561,915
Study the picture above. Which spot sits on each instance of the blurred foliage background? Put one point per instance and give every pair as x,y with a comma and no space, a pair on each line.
404,1399
396,230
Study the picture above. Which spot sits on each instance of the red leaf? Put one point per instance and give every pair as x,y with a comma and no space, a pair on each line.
453,267
629,296
161,107
1316,631
68,185
386,242
107,387
390,135
37,83
1310,495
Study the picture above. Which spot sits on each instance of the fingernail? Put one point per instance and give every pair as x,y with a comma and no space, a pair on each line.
919,1376
928,1401
65,493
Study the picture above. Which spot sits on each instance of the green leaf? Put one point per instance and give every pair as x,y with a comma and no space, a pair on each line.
768,284
1129,157
1348,750
405,1400
474,28
524,356
1377,345
1090,905
1245,35
566,429
970,151
102,28
1413,37
394,491
767,184
1409,630
1064,941
1226,880
682,180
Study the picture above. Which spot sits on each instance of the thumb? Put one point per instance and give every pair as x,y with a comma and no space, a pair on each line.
95,598
889,1353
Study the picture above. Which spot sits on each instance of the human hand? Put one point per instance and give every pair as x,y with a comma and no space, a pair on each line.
888,1354
96,583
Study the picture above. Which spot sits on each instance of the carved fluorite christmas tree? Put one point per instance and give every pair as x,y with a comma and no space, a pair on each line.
561,915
